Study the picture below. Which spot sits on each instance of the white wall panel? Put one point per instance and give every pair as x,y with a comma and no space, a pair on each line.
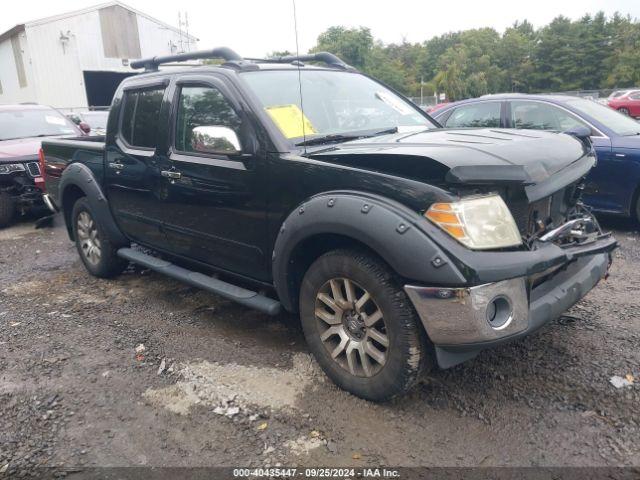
11,90
55,66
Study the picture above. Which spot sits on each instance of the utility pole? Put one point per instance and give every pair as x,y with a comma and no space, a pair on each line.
186,25
180,30
421,90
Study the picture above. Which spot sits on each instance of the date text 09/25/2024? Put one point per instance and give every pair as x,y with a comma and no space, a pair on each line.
342,473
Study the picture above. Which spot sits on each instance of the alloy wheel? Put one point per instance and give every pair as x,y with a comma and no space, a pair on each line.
352,327
89,239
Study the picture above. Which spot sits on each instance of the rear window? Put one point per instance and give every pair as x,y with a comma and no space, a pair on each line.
478,115
140,117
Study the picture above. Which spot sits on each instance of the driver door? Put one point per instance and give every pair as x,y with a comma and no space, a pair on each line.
216,208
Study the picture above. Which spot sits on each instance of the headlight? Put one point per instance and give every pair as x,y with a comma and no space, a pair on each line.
11,167
479,223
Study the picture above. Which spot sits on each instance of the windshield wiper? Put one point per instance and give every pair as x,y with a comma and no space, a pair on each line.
334,137
388,131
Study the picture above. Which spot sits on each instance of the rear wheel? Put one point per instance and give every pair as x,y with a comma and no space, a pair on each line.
7,209
360,325
624,111
96,250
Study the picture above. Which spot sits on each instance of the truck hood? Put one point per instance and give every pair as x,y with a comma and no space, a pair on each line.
466,156
16,150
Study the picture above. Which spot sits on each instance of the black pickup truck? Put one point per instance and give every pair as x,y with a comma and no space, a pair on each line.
314,188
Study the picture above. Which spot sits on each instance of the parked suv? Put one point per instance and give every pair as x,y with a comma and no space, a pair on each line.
22,128
281,184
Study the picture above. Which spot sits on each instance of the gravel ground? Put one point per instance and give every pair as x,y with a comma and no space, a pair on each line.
218,384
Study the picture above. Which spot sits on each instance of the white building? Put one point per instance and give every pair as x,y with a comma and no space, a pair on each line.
77,59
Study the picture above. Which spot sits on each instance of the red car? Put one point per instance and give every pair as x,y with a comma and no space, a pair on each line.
22,128
434,108
627,103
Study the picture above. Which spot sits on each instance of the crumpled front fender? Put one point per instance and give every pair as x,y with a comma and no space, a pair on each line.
386,227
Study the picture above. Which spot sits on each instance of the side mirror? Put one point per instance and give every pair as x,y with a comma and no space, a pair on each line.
216,140
583,134
579,132
85,127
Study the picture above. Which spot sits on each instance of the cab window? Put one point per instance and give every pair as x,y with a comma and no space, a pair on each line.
542,116
140,117
482,114
202,107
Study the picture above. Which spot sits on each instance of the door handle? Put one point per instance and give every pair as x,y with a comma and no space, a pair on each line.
116,165
172,174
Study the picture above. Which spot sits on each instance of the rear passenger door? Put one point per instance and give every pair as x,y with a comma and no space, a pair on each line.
135,188
477,115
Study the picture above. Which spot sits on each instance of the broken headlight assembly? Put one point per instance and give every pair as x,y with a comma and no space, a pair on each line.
479,223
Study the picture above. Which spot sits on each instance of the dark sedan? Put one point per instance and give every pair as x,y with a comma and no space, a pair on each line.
613,186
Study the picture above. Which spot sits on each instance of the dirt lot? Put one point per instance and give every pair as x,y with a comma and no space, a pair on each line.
239,388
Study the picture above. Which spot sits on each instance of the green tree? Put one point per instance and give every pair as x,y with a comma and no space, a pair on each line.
623,65
353,45
592,52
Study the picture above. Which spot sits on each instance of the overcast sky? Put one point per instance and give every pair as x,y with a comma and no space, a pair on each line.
256,27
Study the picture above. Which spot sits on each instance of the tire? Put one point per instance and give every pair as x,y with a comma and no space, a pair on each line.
624,111
397,335
94,247
7,209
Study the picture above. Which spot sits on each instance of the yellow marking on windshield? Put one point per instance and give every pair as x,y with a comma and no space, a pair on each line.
289,119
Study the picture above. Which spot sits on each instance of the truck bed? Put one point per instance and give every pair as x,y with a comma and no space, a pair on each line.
59,153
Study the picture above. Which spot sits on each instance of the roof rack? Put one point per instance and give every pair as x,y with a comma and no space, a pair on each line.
151,64
328,58
236,61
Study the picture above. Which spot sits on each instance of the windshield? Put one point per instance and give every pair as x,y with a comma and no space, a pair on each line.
33,123
334,103
96,119
618,123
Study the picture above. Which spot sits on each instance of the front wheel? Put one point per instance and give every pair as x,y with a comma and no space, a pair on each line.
360,325
7,209
96,250
624,111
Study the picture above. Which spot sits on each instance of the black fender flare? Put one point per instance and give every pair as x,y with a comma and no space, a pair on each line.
387,227
80,176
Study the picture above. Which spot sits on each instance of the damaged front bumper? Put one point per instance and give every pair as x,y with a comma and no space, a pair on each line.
461,322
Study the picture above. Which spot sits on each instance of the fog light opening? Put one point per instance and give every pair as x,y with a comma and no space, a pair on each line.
499,313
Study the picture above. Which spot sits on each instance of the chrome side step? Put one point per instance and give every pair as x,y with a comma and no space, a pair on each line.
241,295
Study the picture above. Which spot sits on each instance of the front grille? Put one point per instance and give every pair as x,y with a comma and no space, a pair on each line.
34,169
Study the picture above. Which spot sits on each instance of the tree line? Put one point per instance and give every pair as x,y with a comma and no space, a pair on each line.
593,52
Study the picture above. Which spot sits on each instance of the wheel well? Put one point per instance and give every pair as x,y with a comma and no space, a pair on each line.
70,196
310,249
